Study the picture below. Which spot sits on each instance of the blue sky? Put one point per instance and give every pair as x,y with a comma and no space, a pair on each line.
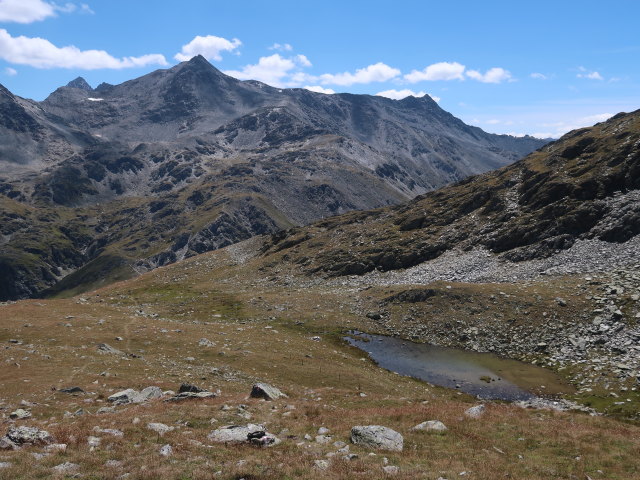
539,68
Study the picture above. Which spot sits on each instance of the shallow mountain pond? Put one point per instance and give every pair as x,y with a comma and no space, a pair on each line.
482,374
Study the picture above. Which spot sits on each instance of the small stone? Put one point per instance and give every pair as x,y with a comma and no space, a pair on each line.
432,425
113,463
321,464
109,431
160,428
475,412
66,467
20,414
323,431
5,465
71,390
322,439
94,442
391,470
7,444
166,450
56,447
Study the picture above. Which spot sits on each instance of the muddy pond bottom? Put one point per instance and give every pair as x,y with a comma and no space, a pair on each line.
481,374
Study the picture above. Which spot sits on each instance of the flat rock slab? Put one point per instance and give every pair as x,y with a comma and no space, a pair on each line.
431,425
190,395
266,391
377,437
235,433
134,396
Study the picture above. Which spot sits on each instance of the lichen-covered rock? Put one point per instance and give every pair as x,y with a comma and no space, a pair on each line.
29,436
377,437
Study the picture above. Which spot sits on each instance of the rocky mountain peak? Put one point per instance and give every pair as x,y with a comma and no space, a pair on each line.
80,83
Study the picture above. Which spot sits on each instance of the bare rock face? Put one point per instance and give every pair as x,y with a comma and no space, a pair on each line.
377,437
305,156
266,392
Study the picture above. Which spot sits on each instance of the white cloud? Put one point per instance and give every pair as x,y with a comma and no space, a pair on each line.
274,70
493,75
25,11
584,73
400,94
538,76
378,72
282,47
12,72
319,89
40,53
591,76
437,71
209,47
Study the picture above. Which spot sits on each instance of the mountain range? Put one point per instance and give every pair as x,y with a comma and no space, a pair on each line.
102,184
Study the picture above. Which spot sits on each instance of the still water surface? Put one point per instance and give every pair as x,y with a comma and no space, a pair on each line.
482,374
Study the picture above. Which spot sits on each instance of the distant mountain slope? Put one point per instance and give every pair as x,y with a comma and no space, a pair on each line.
584,186
104,183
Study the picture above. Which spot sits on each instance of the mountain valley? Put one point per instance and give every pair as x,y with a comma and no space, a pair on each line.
103,184
536,261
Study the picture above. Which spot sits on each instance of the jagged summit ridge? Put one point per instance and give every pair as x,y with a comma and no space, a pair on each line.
80,83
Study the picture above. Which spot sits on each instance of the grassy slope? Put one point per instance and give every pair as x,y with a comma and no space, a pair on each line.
162,315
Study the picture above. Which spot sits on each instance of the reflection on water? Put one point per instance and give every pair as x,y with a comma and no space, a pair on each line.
481,374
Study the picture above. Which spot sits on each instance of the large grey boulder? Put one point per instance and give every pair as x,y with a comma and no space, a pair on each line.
377,437
266,391
29,436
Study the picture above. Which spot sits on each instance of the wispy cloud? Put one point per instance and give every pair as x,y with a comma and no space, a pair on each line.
539,76
493,75
12,72
437,71
281,47
591,75
378,72
273,70
208,46
41,53
400,94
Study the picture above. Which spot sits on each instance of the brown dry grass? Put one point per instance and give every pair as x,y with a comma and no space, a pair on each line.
162,316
